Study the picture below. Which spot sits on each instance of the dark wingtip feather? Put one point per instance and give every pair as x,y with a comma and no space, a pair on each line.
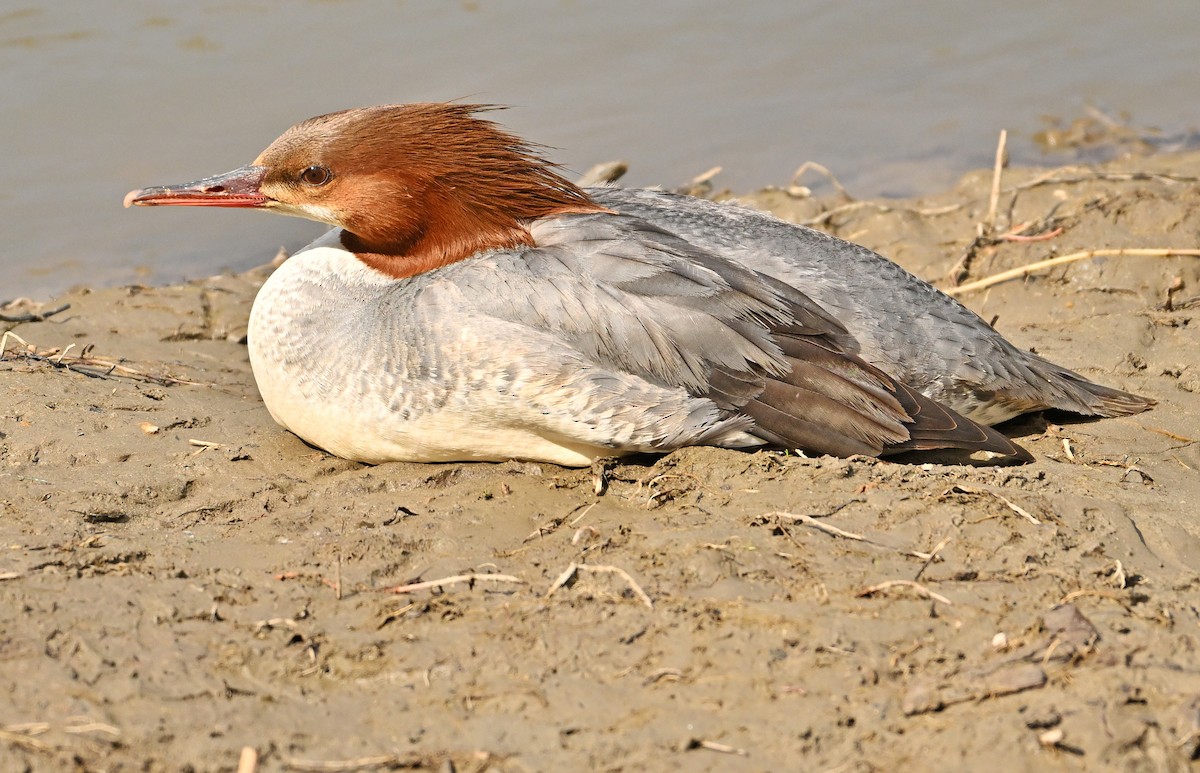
934,426
835,403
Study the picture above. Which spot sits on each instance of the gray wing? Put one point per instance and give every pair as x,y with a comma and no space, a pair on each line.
904,325
633,300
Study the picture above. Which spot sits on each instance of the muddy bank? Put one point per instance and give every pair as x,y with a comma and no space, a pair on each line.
180,579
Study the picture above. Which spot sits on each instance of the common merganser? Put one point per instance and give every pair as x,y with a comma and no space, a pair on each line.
472,304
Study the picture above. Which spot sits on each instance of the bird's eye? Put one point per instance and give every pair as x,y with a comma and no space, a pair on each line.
316,175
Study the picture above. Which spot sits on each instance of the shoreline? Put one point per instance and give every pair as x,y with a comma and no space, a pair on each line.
191,580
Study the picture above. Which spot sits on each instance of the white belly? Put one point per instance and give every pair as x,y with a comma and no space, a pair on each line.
363,433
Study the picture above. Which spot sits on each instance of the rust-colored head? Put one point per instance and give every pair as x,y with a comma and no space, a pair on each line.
413,186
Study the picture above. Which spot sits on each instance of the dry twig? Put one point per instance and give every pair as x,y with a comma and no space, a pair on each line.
960,489
1015,235
829,214
85,365
360,763
458,578
40,316
824,172
834,531
337,583
1023,271
1103,594
925,592
24,742
248,760
1051,178
90,726
603,173
933,554
575,568
713,746
989,223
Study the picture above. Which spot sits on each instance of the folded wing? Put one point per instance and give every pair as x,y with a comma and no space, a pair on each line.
636,300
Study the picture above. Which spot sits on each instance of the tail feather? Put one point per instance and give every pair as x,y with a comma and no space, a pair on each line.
1049,386
1099,400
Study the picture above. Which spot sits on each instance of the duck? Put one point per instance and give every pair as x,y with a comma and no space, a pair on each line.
470,303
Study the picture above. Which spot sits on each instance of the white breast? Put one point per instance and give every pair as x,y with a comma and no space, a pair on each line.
321,374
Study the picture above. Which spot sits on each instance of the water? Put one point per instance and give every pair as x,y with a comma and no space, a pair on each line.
896,97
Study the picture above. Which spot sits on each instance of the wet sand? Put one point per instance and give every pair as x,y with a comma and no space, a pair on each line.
181,579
